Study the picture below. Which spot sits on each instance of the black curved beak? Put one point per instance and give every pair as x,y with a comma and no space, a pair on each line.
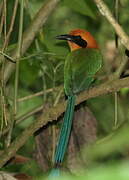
75,39
67,37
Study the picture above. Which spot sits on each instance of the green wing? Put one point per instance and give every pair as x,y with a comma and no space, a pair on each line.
80,67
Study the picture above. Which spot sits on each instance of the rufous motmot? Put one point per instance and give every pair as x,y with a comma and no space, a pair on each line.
81,65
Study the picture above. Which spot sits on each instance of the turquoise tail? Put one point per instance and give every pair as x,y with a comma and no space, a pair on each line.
65,130
54,173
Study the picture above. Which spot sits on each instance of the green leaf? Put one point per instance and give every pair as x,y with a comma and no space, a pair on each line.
124,91
53,45
84,7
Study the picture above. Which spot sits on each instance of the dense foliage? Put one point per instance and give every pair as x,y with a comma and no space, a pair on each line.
41,68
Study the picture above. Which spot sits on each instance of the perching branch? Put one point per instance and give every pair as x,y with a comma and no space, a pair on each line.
29,35
53,113
104,10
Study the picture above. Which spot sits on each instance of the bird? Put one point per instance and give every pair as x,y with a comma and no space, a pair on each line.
81,65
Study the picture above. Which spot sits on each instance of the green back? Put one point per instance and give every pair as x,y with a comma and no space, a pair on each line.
80,67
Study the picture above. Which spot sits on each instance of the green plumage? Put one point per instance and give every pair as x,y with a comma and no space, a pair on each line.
80,67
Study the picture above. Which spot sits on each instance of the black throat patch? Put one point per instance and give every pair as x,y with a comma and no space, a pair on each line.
79,41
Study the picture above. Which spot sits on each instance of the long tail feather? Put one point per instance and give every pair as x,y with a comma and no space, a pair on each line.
54,173
65,130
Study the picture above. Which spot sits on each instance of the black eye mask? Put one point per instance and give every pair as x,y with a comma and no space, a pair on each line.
76,39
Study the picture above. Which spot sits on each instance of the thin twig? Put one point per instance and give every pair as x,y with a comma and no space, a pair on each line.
104,10
116,74
122,66
54,126
2,21
1,7
5,22
116,110
18,56
117,19
124,59
39,93
2,93
28,114
7,56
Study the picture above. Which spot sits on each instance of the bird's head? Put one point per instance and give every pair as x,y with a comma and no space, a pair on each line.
79,39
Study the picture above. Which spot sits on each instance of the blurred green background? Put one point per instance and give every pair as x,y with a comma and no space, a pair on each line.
41,68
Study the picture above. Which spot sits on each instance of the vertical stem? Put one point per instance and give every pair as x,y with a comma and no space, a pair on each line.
116,109
18,55
17,72
117,45
11,25
5,13
53,126
1,113
2,21
3,27
56,100
117,18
